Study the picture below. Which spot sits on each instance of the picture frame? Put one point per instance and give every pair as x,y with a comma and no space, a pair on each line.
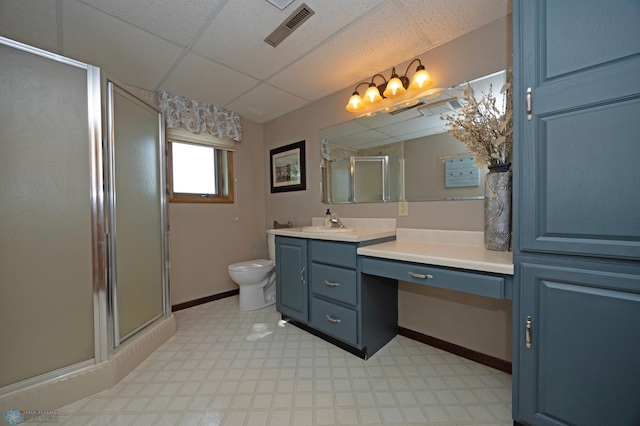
288,168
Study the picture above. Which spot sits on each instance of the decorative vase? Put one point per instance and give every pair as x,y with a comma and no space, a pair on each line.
497,207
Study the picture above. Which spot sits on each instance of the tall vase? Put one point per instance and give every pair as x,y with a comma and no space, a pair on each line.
497,208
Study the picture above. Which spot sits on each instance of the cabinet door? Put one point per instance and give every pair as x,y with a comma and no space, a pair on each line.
291,278
582,363
576,157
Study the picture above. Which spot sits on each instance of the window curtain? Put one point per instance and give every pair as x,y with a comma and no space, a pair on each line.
197,117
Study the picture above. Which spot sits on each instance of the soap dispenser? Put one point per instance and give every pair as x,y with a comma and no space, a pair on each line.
327,218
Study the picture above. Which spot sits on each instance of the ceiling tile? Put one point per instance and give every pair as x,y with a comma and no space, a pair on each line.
126,53
264,103
444,20
236,36
176,21
145,43
363,49
206,81
31,22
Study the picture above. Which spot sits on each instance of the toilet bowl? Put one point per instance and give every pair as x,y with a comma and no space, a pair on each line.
256,279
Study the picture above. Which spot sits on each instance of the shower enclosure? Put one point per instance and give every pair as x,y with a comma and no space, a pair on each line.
362,179
83,226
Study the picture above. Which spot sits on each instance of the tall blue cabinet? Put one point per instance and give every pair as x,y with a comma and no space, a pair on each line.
576,315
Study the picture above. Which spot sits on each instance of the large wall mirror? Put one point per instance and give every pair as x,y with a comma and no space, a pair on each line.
406,154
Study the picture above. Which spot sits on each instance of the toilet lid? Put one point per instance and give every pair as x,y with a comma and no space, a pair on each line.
251,264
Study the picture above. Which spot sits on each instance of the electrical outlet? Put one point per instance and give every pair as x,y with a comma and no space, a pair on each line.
403,208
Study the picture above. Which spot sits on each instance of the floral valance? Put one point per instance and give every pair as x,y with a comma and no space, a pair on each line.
198,117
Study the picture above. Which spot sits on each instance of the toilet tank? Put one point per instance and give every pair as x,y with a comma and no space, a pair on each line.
271,242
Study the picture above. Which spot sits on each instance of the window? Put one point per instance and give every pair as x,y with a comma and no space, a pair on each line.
199,173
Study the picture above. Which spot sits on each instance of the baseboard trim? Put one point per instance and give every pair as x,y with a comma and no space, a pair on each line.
202,300
478,357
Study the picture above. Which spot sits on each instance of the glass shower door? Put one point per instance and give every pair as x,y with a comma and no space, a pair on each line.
136,217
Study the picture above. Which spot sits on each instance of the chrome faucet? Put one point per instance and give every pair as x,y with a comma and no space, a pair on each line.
336,223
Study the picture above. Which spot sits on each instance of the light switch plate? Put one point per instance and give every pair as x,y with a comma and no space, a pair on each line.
403,208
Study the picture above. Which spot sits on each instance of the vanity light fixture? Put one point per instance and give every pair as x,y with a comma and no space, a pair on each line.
395,87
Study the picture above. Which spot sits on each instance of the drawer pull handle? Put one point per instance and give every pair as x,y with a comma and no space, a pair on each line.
527,333
302,275
330,284
334,320
422,276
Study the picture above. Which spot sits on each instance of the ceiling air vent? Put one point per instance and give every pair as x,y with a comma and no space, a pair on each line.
290,24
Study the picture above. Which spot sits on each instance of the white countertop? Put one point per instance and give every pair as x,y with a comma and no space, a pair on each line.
355,236
455,249
359,230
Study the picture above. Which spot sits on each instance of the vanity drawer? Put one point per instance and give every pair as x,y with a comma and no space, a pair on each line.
333,253
333,282
468,282
335,320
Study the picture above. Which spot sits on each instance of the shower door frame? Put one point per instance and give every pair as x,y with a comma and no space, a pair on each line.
114,340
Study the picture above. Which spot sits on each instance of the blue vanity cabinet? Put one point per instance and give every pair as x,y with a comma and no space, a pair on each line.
291,278
357,309
576,300
320,286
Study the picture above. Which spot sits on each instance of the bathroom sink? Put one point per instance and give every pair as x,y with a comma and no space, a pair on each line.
325,229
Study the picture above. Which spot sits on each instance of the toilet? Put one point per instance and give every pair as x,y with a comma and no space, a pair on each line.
257,279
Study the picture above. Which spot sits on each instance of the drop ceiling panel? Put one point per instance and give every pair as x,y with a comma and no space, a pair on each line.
264,103
228,40
344,129
357,53
368,138
407,127
383,119
148,43
126,53
444,20
206,81
31,22
176,21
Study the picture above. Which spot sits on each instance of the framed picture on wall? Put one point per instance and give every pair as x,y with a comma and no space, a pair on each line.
288,171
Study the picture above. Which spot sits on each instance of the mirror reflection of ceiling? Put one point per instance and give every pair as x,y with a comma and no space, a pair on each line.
414,122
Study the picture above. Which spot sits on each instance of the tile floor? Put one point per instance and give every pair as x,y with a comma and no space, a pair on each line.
226,367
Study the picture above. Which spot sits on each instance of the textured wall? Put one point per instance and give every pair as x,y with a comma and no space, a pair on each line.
206,238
